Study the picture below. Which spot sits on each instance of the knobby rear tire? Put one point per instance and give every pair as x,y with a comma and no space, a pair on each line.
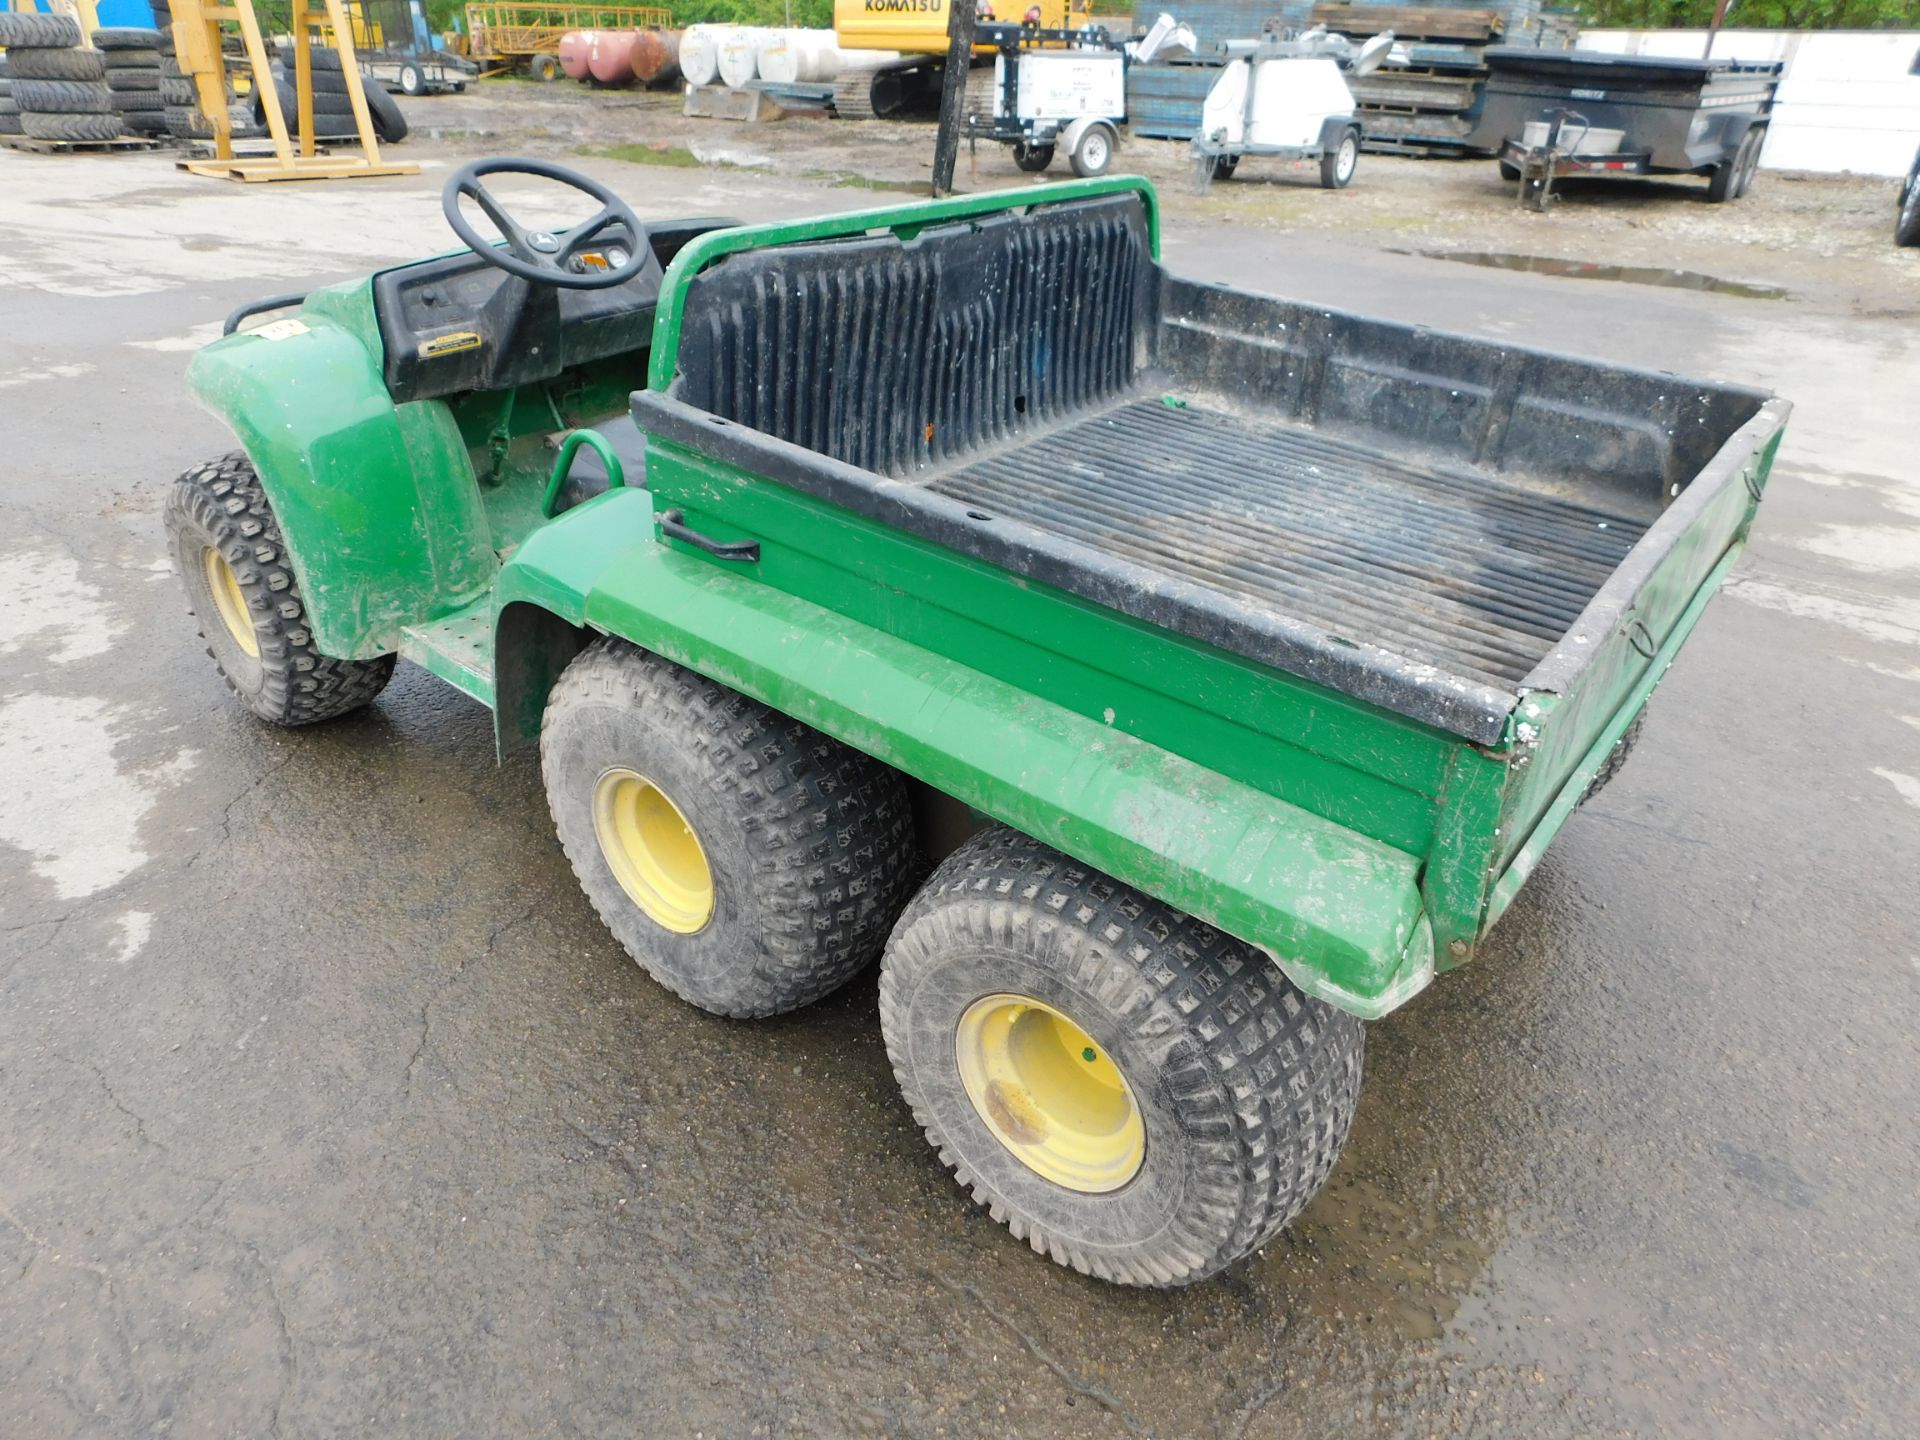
1246,1086
810,844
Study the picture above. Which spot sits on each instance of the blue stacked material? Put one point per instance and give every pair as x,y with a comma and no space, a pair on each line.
1163,101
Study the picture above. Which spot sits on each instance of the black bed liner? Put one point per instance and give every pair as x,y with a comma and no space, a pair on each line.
1415,519
1456,569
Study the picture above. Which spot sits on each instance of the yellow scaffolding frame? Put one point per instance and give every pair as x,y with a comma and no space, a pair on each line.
513,30
196,43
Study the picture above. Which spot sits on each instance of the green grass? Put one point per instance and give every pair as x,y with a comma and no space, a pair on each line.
674,157
853,180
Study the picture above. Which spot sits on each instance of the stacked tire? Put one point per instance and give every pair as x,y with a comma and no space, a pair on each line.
9,112
132,58
55,89
332,106
180,114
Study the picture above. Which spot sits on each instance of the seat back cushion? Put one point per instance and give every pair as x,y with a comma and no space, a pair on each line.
896,355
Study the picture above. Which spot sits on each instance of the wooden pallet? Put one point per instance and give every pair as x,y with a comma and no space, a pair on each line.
258,147
126,143
756,102
1412,22
1385,88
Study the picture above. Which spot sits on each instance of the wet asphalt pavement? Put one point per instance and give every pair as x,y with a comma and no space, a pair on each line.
328,1108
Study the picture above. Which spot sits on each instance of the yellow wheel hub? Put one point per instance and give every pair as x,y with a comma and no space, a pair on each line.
1049,1094
653,852
230,601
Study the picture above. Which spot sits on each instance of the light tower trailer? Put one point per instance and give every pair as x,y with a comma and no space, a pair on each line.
1053,90
1286,100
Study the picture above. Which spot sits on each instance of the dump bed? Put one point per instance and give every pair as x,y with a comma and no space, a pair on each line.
1354,564
1677,113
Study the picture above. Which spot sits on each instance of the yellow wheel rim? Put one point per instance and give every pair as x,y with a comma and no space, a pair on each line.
1050,1094
230,601
653,852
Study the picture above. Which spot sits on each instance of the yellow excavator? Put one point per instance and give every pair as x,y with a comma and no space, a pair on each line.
917,29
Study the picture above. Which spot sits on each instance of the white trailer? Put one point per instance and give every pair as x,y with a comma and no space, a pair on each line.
1288,100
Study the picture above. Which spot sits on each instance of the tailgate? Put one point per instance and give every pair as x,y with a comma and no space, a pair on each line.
1580,700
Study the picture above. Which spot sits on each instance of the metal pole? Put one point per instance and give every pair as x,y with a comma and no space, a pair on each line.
1713,31
953,92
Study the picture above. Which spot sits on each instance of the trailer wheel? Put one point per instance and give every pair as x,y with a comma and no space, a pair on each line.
1509,172
1906,228
1720,183
413,80
748,863
544,67
228,550
1337,165
1032,158
1127,1089
1093,153
1748,162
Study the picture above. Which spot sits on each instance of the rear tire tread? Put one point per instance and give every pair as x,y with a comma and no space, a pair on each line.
827,830
1174,982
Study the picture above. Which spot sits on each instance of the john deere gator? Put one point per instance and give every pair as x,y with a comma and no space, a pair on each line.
1159,681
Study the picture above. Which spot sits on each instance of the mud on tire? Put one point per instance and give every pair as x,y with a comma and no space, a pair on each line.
1246,1087
809,844
221,506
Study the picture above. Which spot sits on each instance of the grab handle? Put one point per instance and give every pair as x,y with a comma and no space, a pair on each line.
674,523
563,464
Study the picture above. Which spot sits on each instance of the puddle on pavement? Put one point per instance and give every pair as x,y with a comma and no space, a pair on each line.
1390,1259
1585,270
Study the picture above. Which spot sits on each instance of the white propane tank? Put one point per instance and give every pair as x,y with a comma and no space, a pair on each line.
798,57
1292,96
811,57
700,54
738,62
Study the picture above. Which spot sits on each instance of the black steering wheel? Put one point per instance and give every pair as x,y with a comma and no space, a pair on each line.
542,256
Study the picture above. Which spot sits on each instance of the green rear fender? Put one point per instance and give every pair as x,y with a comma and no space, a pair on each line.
1340,912
376,501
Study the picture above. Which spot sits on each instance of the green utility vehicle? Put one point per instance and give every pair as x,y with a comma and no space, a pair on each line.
1159,680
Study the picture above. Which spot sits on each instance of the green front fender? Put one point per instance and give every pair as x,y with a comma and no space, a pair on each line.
1340,912
376,502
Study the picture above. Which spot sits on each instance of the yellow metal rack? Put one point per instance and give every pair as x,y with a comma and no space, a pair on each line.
501,35
196,41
